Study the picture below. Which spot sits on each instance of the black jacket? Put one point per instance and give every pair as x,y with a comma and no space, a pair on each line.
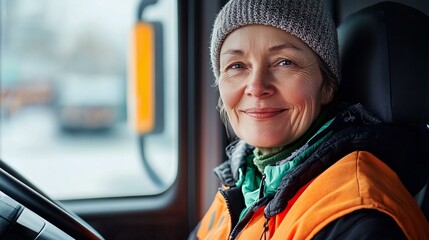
353,129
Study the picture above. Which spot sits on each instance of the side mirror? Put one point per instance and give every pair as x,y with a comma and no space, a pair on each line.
145,84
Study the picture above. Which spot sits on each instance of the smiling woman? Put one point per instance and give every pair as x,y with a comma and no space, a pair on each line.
304,164
108,119
271,86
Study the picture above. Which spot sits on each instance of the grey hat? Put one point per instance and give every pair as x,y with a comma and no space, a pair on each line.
308,20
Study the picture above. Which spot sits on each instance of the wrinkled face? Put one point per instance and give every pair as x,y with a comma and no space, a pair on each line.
271,85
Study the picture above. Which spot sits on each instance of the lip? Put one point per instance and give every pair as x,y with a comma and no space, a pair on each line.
263,113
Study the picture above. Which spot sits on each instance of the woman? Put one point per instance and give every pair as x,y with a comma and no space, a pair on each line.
298,170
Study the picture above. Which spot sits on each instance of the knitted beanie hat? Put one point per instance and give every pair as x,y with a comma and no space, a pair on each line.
307,20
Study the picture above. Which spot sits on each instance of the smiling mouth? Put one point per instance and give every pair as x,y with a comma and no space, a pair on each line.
264,113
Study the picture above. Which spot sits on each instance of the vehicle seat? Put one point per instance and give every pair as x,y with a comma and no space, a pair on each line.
384,52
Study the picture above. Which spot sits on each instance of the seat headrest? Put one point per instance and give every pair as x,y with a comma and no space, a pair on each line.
384,51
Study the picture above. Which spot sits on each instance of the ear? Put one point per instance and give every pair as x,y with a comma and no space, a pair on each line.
327,93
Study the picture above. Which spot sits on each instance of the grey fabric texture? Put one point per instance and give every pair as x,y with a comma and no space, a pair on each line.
307,20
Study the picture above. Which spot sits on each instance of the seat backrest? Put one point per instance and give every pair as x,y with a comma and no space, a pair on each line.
384,51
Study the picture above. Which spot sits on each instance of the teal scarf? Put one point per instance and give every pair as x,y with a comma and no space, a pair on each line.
275,166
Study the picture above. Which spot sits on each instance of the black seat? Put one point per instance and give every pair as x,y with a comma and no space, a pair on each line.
384,51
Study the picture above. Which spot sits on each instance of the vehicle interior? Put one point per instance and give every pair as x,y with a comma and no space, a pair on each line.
156,182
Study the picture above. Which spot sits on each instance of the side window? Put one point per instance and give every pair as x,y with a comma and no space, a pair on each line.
68,104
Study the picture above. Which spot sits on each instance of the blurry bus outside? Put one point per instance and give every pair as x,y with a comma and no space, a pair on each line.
63,109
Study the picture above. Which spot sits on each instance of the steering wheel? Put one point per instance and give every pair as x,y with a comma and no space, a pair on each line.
34,208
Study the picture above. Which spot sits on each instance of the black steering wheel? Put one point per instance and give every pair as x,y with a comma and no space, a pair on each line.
28,209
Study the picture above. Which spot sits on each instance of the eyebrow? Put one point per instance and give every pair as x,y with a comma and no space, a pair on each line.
233,52
283,46
275,48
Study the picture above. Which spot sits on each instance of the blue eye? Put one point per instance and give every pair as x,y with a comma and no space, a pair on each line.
236,66
285,62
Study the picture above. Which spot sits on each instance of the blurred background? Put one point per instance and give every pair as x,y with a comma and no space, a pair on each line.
63,109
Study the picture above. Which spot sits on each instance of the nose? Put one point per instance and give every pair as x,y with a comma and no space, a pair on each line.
259,84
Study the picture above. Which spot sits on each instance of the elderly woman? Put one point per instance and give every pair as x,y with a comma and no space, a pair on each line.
297,170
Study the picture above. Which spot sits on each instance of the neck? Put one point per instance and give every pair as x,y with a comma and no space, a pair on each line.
270,150
270,155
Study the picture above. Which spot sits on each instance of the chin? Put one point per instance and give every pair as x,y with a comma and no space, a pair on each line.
263,137
265,142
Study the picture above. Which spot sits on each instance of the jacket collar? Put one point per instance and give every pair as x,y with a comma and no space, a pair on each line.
353,129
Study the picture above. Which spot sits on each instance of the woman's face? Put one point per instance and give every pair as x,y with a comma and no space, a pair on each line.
271,85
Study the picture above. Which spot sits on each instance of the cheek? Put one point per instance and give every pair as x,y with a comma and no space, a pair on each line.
301,95
229,95
306,90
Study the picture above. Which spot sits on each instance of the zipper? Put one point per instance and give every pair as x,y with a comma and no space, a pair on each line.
226,198
241,224
262,186
258,204
266,229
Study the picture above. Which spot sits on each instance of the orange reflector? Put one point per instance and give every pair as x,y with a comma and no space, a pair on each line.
141,92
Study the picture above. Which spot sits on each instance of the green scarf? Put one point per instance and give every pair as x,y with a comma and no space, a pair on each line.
274,172
261,161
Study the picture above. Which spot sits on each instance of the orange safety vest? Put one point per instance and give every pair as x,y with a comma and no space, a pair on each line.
357,181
